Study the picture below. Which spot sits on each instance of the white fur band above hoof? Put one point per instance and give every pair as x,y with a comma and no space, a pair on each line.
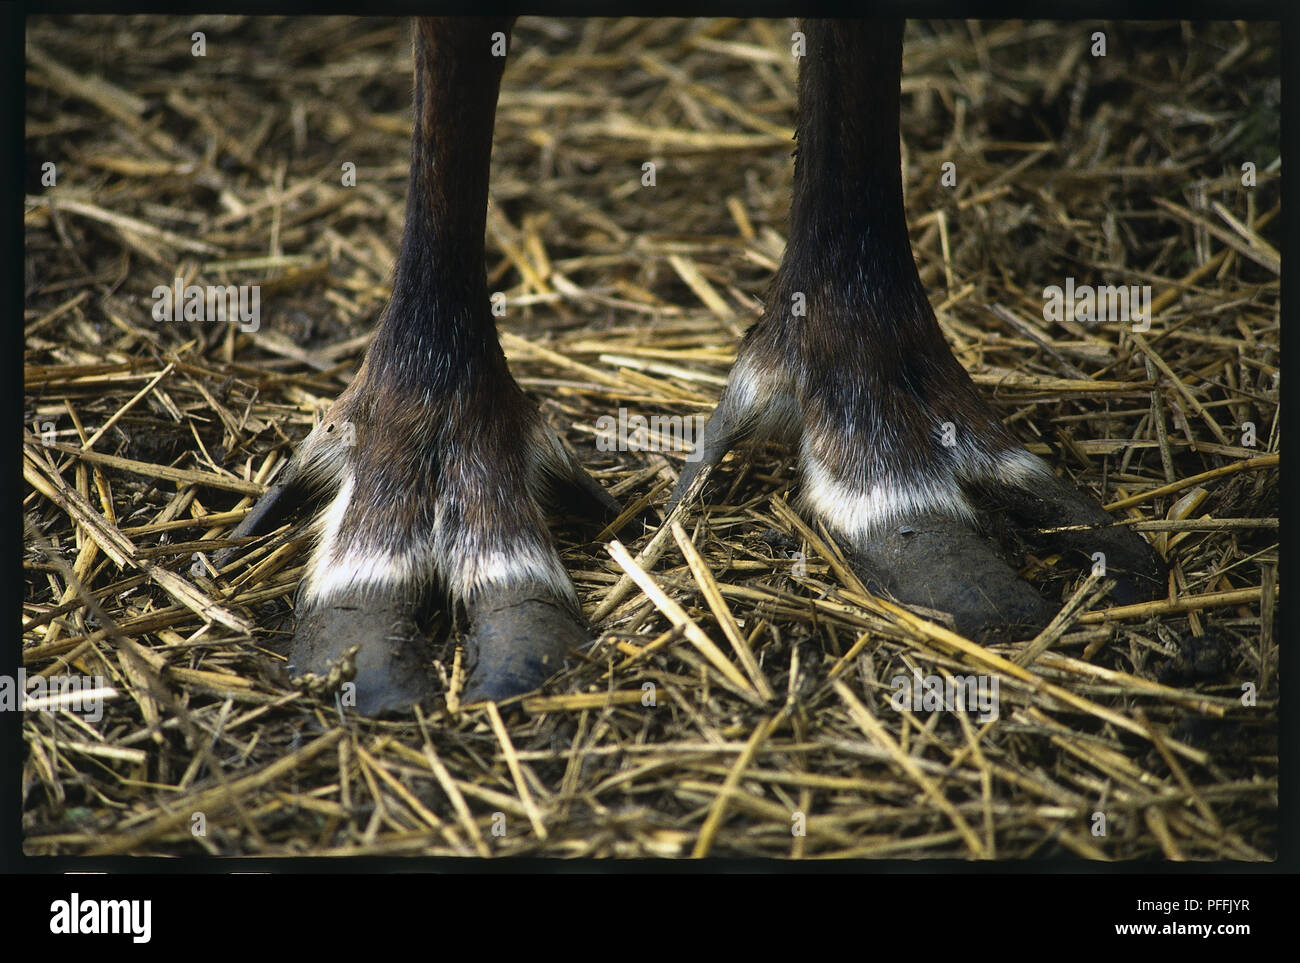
861,513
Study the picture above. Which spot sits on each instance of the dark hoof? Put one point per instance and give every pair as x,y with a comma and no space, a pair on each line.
940,563
517,639
1056,517
393,667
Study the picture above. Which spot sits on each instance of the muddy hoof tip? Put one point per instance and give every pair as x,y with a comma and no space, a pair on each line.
393,663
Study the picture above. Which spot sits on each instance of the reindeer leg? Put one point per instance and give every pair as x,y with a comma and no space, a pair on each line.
435,463
897,449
